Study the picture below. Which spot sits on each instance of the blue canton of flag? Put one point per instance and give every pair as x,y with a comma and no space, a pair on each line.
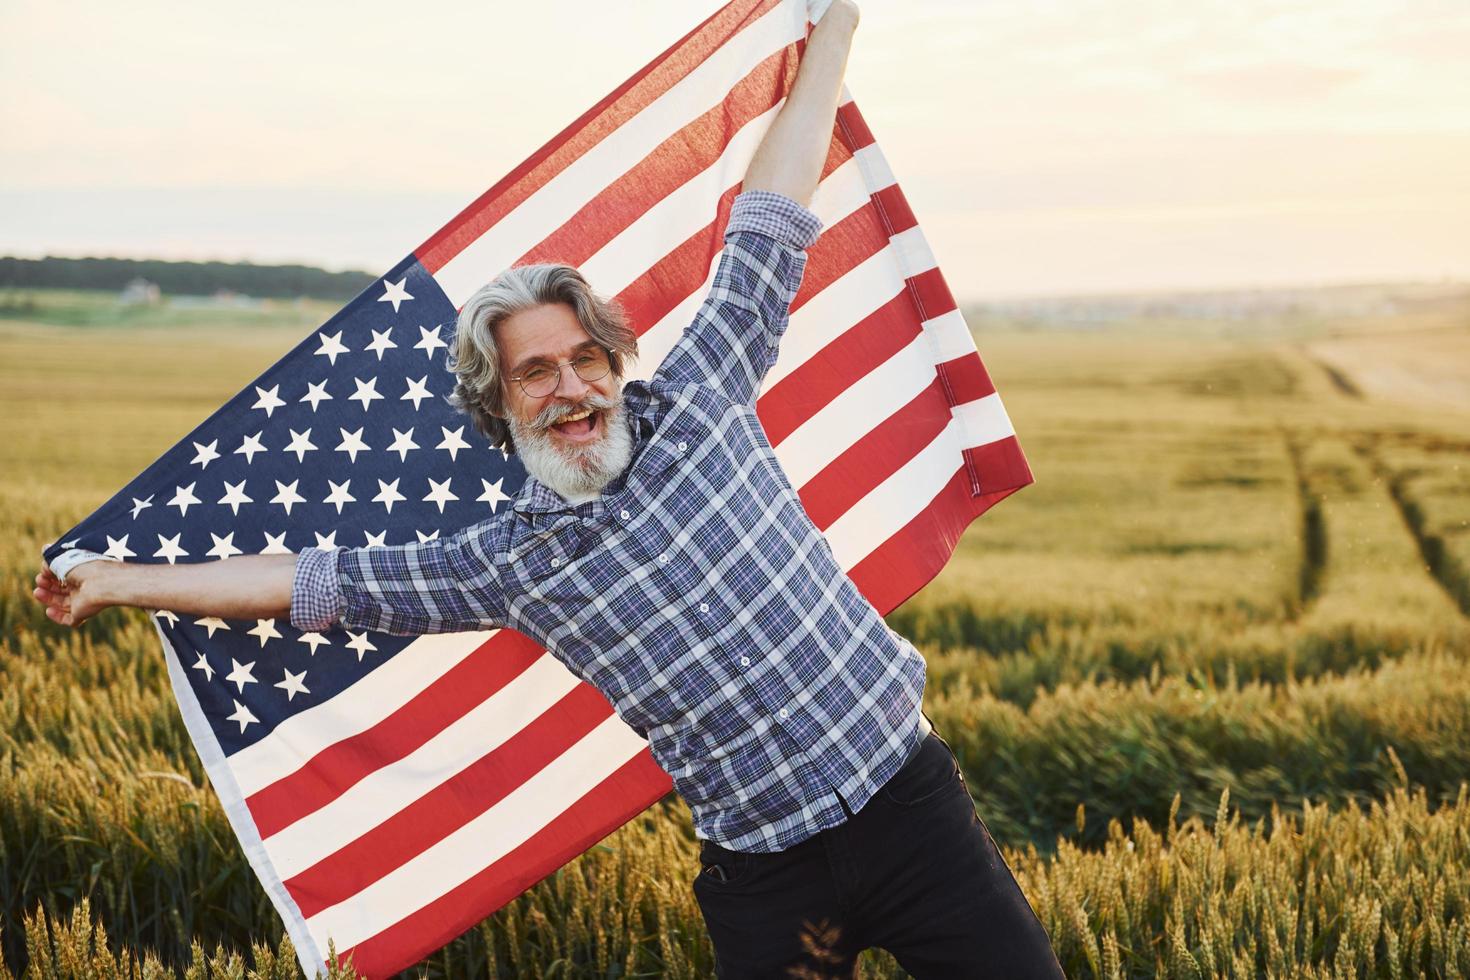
348,441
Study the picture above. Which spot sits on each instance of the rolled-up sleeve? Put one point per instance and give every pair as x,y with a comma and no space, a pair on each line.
734,338
316,599
441,586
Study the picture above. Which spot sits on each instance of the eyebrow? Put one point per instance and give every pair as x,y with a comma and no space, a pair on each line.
526,362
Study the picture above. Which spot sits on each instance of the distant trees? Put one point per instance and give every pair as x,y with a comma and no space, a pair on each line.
189,278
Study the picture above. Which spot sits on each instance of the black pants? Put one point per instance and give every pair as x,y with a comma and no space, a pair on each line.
914,872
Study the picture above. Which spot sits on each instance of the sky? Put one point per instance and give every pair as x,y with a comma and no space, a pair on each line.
1047,147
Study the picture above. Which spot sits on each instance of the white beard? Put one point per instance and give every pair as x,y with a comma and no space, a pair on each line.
575,471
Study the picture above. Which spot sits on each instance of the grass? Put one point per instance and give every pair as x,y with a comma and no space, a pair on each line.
1206,678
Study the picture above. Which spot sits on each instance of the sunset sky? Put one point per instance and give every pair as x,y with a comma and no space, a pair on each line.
1050,147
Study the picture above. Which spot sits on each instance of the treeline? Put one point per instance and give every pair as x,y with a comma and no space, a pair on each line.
186,278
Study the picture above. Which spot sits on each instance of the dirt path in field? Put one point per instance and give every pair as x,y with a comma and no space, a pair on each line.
1429,368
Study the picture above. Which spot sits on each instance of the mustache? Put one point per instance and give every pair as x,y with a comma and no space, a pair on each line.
552,414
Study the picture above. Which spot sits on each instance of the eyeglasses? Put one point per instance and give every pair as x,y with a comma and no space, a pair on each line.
541,378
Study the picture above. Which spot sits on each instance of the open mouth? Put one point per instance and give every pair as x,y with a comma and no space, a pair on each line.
580,426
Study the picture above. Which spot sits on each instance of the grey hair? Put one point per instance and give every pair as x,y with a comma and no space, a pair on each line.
479,388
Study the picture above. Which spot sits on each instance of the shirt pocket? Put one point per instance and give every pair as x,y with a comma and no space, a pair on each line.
545,559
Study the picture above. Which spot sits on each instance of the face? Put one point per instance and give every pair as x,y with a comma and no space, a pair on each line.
573,439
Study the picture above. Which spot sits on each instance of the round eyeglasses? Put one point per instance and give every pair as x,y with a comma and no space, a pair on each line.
541,378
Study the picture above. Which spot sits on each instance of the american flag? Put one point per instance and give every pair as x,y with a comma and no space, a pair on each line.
391,792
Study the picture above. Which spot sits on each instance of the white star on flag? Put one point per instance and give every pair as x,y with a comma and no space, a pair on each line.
439,493
388,494
375,540
169,548
203,664
164,614
300,445
360,643
205,454
394,292
265,629
367,392
235,496
381,342
242,715
331,347
212,623
429,341
140,505
184,498
402,443
352,444
275,544
417,392
453,442
326,542
251,445
293,684
287,496
339,495
118,548
313,640
316,392
493,494
224,547
431,536
268,400
240,675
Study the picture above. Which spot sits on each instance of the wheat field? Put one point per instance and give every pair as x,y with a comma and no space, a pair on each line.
1206,678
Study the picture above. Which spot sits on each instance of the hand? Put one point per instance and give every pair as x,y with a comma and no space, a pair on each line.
72,600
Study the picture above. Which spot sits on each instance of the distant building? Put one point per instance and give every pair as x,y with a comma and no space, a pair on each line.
140,292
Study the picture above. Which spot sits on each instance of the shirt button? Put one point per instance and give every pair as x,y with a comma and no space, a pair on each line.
624,514
683,446
745,661
704,607
555,562
663,559
783,713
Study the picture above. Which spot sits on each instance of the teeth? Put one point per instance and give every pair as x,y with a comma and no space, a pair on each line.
577,417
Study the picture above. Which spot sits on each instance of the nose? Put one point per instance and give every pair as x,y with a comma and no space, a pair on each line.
570,384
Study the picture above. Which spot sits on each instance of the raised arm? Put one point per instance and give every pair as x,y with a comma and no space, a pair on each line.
733,340
790,156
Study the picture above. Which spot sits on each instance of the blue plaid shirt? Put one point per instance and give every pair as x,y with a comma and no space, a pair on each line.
693,592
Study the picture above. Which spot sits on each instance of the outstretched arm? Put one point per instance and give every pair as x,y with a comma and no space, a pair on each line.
245,587
790,157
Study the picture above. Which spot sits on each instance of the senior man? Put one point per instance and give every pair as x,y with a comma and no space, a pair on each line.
660,552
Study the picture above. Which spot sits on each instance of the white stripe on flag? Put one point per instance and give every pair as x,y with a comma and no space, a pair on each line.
896,501
357,811
564,195
950,335
984,420
859,408
681,213
481,842
353,711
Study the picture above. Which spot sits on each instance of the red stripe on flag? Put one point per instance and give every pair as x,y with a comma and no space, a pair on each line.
881,453
339,767
894,207
966,379
450,805
589,129
931,294
904,563
629,790
811,387
680,158
999,466
853,126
